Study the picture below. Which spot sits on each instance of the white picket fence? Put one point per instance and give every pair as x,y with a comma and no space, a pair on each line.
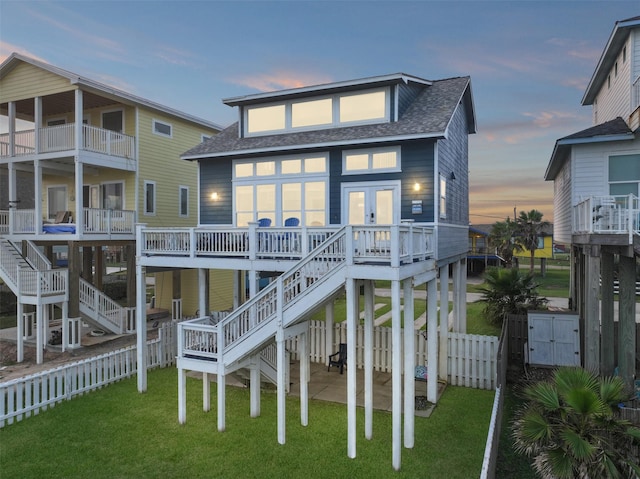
29,395
472,362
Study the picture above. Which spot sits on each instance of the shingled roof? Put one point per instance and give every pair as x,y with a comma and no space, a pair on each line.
427,117
613,130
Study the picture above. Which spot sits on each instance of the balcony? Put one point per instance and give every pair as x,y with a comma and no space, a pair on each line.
61,138
608,215
96,222
368,244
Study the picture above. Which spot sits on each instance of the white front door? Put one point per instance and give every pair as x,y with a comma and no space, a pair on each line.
371,203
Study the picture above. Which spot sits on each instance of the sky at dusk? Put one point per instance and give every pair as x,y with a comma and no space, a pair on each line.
529,63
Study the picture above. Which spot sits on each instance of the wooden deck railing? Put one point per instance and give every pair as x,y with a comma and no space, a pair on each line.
62,138
608,215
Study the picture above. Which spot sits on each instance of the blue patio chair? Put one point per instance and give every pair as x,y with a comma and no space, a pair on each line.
289,240
292,222
263,238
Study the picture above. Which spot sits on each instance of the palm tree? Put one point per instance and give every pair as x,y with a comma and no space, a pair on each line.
570,427
509,291
501,238
529,226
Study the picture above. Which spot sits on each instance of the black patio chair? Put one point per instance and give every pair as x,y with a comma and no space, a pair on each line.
339,359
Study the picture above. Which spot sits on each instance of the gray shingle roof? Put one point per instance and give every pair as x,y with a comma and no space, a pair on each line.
428,116
616,126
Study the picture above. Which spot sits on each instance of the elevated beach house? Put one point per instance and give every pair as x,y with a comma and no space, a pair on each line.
81,163
324,190
596,177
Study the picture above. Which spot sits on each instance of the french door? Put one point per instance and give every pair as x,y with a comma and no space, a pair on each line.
371,203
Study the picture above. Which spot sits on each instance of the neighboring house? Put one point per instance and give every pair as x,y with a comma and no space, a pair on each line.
481,255
81,164
324,189
596,175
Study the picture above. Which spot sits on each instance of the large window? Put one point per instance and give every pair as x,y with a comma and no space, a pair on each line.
113,120
371,161
443,197
339,109
113,196
282,188
56,200
624,174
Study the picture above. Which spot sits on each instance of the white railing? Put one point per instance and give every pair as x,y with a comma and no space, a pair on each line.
27,396
35,257
43,283
97,220
376,243
62,138
103,309
10,264
608,215
4,221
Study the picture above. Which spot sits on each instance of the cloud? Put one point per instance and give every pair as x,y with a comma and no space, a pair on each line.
175,56
280,80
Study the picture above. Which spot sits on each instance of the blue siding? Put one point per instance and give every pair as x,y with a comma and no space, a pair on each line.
406,95
215,175
453,157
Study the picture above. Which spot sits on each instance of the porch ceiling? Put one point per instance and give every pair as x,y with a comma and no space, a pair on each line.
57,104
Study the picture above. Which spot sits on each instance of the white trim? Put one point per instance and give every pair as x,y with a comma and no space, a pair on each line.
370,169
155,122
155,195
182,188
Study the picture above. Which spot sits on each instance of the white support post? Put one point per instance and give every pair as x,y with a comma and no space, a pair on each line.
254,386
328,318
463,294
396,375
444,319
182,395
253,283
141,325
39,333
282,384
222,398
65,325
20,332
304,378
11,107
456,297
202,292
206,392
409,366
432,341
369,319
352,324
37,124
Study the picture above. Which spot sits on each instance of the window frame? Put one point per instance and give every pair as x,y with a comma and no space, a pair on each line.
335,112
113,110
278,180
371,152
155,121
442,196
181,189
154,210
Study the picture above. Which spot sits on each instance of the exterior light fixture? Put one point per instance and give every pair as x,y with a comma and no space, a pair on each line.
416,186
452,176
214,196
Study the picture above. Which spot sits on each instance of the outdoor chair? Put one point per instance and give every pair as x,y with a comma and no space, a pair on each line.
263,238
339,359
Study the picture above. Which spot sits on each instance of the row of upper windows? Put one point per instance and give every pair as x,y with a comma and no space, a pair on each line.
353,162
339,109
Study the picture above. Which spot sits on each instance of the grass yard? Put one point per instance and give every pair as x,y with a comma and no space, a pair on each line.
118,433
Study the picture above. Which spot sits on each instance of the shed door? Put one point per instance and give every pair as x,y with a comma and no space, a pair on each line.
554,339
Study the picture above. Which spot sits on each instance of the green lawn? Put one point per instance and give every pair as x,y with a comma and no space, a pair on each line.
118,433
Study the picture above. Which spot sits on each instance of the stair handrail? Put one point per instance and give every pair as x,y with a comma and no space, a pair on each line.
9,264
288,287
35,257
106,309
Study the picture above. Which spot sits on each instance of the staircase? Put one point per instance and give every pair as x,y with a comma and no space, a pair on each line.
284,303
31,278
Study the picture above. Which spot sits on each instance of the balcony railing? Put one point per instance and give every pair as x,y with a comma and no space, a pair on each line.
608,215
62,138
371,243
96,221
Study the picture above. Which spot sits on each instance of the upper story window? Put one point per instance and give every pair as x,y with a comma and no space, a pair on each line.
443,197
183,201
162,128
371,161
370,106
150,198
113,120
624,54
624,174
